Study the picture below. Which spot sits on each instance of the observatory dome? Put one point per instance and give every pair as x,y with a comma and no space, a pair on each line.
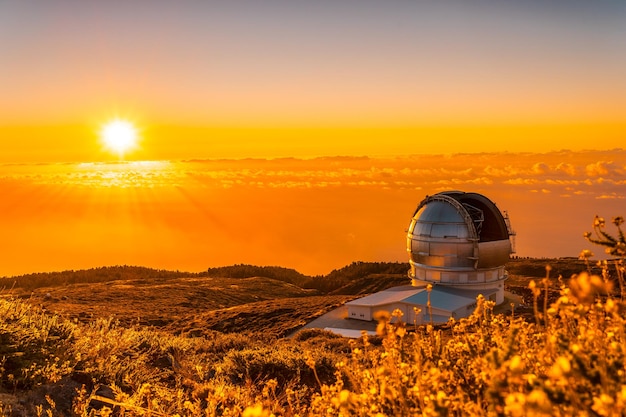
459,239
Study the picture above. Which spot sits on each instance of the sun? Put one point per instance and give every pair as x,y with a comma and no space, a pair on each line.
119,136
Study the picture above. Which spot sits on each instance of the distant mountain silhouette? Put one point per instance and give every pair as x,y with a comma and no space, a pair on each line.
353,279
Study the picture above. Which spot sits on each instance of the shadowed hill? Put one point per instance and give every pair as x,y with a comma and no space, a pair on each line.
354,272
141,275
246,271
86,276
346,280
356,278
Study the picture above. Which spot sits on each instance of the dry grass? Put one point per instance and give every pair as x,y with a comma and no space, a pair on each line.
157,301
278,317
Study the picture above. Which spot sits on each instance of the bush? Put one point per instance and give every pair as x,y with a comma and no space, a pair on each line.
289,365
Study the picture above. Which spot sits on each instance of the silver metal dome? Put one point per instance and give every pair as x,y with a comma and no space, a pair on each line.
458,238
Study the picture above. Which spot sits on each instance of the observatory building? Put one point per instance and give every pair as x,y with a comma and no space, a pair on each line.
459,243
459,240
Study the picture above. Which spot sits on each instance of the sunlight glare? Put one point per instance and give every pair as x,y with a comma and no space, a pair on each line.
119,136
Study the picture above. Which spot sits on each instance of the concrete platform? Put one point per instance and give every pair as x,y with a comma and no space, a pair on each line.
337,319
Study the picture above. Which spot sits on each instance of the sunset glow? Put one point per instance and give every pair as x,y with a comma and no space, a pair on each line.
310,214
300,135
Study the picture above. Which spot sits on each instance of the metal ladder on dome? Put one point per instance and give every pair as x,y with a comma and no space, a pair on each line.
509,229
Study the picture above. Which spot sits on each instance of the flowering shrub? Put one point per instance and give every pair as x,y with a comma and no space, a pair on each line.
615,246
570,363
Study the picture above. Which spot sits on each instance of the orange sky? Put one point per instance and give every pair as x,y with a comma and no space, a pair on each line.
483,97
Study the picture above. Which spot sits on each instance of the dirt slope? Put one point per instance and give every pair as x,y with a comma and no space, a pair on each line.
159,302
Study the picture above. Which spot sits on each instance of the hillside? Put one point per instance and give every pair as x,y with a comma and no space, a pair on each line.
158,301
235,301
194,304
328,283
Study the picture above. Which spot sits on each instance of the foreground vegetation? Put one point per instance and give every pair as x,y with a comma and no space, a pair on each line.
569,359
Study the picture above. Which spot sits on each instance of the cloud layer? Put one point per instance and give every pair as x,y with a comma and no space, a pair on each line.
310,214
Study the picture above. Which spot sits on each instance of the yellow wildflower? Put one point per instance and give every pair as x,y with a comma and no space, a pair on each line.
603,405
256,411
514,404
516,365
